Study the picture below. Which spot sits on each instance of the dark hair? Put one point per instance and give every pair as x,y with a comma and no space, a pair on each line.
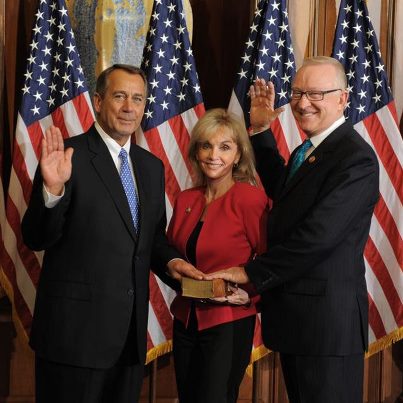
206,127
102,81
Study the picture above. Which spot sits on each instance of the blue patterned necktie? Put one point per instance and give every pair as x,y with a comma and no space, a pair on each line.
128,185
299,158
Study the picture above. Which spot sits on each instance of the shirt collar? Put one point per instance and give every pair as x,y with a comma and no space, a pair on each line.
113,146
316,140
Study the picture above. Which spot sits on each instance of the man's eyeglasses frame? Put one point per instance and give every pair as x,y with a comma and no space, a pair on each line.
312,95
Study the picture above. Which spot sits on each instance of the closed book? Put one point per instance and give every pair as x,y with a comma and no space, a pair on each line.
204,288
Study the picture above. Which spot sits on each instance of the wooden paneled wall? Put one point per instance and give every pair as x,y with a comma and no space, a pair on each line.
220,30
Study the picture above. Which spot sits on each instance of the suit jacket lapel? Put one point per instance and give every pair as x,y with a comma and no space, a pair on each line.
308,165
104,165
319,154
142,178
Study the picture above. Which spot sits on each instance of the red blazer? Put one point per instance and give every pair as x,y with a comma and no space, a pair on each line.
233,232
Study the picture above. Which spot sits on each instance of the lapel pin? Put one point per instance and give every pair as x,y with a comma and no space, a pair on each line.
188,210
311,159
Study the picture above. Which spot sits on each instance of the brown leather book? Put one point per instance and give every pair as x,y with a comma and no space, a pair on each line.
204,288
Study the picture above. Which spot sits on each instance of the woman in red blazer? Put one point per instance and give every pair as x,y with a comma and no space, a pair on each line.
218,224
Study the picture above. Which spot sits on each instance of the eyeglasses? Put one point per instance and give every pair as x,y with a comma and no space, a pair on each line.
311,95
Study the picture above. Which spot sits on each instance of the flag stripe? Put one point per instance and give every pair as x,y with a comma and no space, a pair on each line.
375,319
155,145
24,256
235,106
150,344
385,186
167,292
278,134
376,293
154,329
386,251
385,152
389,227
391,113
35,140
15,269
160,307
84,111
292,135
28,161
379,269
71,119
193,115
174,155
58,121
182,137
19,179
387,117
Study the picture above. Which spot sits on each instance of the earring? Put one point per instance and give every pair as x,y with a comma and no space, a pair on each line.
235,166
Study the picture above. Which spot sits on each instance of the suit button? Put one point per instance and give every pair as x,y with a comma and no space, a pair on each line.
130,292
136,258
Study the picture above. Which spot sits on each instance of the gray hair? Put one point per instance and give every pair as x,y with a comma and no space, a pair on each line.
322,60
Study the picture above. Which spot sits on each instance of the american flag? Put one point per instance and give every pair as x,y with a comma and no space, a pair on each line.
54,92
372,111
173,107
269,55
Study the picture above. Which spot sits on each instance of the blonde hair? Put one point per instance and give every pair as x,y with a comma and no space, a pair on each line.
206,127
321,60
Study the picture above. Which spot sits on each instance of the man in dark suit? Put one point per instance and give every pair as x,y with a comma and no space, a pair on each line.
312,278
90,321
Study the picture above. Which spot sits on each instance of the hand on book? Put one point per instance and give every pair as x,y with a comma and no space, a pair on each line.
179,268
237,297
236,275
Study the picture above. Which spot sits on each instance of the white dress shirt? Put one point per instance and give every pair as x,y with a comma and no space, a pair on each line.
318,138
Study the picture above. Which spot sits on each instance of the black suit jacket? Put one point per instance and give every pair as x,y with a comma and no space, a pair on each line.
312,278
95,269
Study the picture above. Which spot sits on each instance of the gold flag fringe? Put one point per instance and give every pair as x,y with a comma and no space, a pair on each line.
257,354
384,342
4,282
159,350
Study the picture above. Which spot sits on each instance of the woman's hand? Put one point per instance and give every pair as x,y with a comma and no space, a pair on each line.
237,297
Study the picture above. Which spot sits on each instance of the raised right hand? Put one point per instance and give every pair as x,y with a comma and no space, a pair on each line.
55,161
262,112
